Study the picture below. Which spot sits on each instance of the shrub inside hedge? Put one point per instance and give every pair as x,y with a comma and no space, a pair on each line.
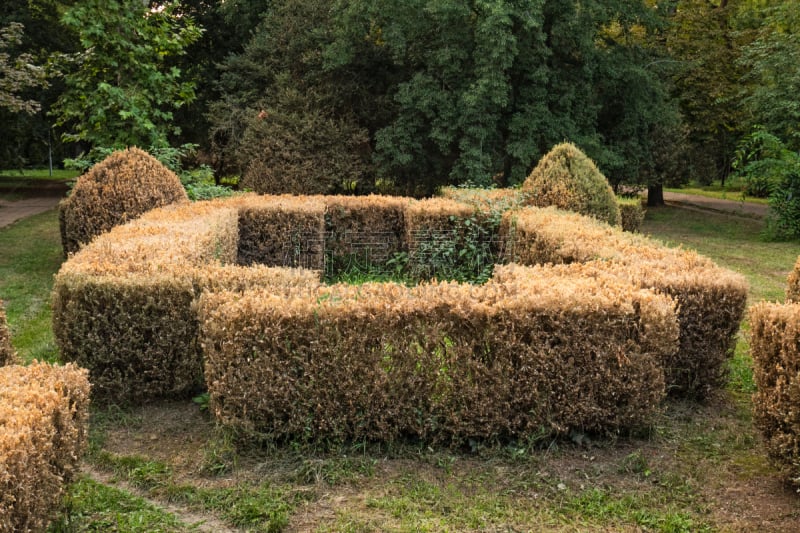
775,347
439,362
43,432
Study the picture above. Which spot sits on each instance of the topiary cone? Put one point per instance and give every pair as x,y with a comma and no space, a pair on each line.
566,178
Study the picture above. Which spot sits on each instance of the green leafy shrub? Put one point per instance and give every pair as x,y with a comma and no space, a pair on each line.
631,214
566,178
784,203
771,169
120,188
7,354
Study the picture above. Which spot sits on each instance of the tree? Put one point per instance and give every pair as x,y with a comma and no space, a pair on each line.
485,87
18,74
772,74
123,90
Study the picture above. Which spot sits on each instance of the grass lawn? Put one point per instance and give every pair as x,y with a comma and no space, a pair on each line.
732,190
165,467
38,174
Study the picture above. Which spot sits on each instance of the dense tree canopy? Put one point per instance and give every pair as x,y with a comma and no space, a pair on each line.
407,95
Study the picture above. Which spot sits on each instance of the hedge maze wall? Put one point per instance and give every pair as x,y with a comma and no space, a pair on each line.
588,328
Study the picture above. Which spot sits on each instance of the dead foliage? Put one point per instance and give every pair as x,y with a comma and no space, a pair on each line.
7,354
775,346
710,299
43,432
793,289
518,357
118,189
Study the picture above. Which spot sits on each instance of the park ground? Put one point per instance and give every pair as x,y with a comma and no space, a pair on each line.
166,467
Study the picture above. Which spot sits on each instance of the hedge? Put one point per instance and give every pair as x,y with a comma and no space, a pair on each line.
793,289
124,306
775,347
286,231
43,432
711,299
449,239
440,362
364,230
631,213
118,189
7,354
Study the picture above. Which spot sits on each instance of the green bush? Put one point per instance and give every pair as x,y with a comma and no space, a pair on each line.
566,178
118,189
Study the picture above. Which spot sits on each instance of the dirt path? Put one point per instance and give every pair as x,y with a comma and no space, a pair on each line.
716,204
10,212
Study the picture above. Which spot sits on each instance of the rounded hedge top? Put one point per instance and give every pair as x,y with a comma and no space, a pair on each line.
120,188
566,178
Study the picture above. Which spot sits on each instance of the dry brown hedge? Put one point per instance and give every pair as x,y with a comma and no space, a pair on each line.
631,214
439,229
124,306
775,347
120,188
711,300
7,354
43,432
793,289
368,229
441,362
282,231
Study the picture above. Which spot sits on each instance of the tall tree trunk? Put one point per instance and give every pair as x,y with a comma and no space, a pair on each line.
655,195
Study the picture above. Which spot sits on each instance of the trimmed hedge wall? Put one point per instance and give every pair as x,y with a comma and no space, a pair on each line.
440,362
7,354
287,231
711,300
793,289
775,347
631,214
124,306
43,433
366,229
145,304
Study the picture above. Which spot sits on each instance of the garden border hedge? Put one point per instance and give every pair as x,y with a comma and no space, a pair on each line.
128,306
